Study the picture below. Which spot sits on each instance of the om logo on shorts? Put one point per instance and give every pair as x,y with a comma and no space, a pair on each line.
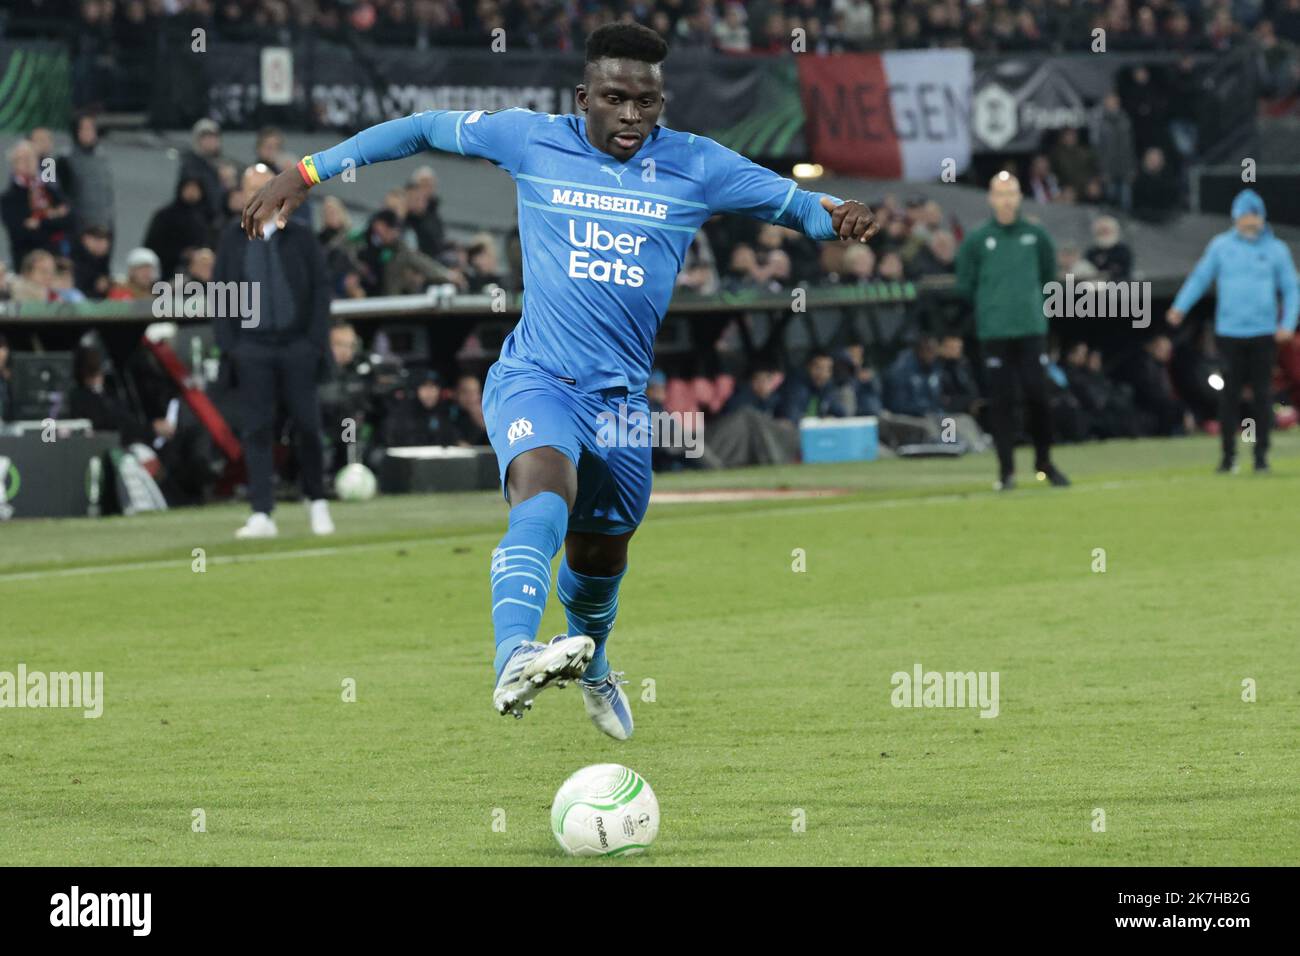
519,428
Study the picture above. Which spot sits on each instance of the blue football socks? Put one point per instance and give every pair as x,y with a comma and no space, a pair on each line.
521,570
590,604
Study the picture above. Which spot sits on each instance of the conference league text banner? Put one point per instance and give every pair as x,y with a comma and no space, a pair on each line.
882,114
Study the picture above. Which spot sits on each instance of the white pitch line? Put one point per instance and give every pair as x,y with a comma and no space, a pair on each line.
216,559
667,519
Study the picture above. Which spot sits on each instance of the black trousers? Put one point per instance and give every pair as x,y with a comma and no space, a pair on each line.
1247,361
1023,361
268,377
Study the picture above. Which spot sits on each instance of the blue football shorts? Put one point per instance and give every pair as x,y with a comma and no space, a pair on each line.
606,434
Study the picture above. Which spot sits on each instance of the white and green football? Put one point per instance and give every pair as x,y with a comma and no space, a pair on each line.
355,482
605,810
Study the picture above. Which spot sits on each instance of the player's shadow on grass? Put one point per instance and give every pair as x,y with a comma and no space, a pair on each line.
552,855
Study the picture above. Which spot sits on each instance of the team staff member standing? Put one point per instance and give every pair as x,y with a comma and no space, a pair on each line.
280,357
1001,268
1251,269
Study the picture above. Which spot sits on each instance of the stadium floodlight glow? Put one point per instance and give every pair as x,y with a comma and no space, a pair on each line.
1216,381
807,170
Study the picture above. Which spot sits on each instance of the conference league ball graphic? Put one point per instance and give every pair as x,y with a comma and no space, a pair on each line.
605,810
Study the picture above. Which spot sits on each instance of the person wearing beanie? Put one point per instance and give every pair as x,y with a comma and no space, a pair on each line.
142,270
1258,301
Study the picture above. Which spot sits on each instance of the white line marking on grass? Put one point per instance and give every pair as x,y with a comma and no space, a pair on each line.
904,502
183,561
715,495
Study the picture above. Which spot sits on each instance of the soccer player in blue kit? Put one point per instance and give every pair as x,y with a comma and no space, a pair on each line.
608,204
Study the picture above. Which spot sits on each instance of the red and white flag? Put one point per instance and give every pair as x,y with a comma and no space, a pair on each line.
897,115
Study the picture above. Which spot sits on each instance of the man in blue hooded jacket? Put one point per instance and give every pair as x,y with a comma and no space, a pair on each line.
1251,269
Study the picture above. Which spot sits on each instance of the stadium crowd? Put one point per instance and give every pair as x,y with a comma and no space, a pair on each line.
61,233
1129,159
1133,155
405,246
1154,389
121,28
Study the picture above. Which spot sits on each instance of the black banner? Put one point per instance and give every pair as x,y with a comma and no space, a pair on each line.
750,103
1018,99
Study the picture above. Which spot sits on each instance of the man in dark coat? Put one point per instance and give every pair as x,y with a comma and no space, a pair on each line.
278,355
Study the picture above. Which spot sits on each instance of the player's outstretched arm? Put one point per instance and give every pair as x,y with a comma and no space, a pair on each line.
851,219
499,136
734,183
287,191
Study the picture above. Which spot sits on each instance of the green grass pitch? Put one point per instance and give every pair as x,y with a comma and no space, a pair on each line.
1120,691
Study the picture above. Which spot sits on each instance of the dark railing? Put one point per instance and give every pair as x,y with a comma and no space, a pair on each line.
883,316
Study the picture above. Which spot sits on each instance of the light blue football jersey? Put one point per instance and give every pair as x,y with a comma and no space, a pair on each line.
602,241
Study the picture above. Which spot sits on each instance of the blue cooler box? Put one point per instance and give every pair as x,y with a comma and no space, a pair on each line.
839,439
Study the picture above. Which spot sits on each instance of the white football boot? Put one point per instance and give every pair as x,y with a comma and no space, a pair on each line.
321,522
258,525
535,666
607,705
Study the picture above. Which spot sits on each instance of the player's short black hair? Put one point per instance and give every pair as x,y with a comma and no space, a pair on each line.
626,41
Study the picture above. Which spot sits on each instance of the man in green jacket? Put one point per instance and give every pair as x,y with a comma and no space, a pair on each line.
1001,268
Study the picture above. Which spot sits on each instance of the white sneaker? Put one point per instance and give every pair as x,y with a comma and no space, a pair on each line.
607,705
258,525
534,666
321,522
